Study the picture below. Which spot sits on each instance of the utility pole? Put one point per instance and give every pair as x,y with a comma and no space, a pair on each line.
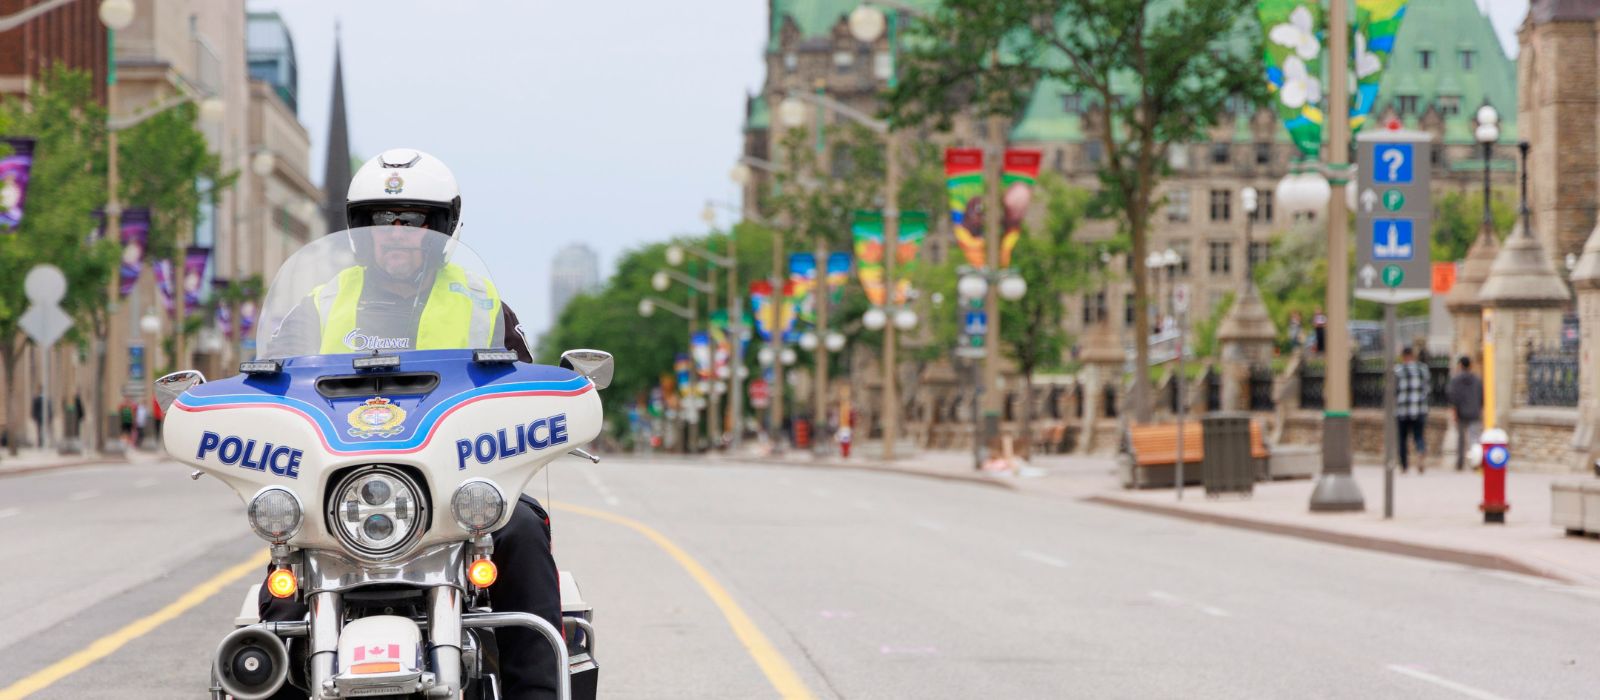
891,250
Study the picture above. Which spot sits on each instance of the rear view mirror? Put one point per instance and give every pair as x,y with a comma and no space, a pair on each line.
170,387
597,365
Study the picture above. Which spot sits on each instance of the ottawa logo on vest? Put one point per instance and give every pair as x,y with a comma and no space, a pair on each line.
377,417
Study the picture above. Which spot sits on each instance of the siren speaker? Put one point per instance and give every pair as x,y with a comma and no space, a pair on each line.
251,663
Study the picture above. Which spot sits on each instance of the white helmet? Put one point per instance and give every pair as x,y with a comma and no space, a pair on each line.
404,177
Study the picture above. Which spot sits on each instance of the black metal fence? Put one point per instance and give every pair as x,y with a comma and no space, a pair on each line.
1367,383
1261,388
1552,376
1213,389
1312,379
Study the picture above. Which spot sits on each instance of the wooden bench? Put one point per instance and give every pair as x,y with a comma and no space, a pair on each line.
1151,453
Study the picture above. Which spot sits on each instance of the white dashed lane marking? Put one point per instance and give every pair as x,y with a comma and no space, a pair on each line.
1443,682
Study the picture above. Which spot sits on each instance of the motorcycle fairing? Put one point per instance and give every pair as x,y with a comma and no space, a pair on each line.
498,422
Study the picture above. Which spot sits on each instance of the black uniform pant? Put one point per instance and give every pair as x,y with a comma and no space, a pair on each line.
528,582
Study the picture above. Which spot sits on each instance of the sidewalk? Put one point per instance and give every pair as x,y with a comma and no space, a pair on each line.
1436,514
31,460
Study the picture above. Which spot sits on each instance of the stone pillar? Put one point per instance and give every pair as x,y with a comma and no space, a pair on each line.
1103,358
1462,299
1246,336
1586,284
1523,296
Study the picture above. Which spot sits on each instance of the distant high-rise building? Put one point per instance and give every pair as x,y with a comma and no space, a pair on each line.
269,54
574,270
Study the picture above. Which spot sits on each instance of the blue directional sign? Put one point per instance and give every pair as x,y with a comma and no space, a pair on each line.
1392,239
1391,163
975,323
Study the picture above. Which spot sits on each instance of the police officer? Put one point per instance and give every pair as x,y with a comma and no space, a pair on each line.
404,294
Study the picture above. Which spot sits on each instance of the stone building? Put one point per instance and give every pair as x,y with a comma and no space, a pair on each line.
70,34
1558,93
1449,63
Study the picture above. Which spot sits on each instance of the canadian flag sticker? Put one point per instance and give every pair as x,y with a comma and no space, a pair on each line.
378,652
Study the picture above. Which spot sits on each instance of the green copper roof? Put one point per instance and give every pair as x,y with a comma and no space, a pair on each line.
759,116
816,18
1445,27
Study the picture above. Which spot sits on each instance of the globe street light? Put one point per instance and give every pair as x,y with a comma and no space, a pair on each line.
262,163
1488,132
1013,287
808,341
787,356
972,287
905,319
792,112
660,281
867,23
834,341
116,14
674,255
647,308
874,319
764,356
740,174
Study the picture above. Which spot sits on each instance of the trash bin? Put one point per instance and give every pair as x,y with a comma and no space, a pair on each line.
1227,466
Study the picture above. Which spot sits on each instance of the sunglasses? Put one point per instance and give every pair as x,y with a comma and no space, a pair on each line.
399,218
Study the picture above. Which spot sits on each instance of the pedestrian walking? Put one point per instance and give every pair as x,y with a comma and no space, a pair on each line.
125,416
1296,330
1465,393
1319,321
1411,406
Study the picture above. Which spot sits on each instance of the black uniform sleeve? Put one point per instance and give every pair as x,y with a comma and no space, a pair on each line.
515,340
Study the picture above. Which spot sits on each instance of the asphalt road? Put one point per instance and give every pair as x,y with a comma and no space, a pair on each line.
867,585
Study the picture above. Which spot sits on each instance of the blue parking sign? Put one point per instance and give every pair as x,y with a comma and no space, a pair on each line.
1392,239
976,323
1391,163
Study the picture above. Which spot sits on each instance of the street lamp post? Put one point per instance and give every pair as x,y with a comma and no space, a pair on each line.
647,308
1487,133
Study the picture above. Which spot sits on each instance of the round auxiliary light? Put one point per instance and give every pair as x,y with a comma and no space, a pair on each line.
477,505
482,572
274,514
281,583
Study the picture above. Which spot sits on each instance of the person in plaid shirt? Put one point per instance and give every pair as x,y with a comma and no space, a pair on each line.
1411,405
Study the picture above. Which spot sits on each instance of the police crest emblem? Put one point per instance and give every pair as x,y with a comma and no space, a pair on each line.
393,185
376,417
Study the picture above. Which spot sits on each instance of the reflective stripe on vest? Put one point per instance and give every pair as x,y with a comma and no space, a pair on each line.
462,311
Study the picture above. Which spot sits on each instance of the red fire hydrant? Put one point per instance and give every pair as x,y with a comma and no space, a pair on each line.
844,441
1496,455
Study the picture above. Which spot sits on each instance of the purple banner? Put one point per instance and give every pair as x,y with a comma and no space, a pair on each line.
135,236
224,316
163,270
194,275
14,171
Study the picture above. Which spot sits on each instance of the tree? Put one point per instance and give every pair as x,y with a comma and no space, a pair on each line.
1053,265
1153,72
66,184
1457,216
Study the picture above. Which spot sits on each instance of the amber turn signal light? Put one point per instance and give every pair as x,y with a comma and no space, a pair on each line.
281,583
482,573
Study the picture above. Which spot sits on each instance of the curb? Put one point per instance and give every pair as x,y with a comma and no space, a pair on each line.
1409,549
882,468
23,471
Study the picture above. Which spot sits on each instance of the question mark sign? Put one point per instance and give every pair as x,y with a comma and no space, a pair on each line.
1394,158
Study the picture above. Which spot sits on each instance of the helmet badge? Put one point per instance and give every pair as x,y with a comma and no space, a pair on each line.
393,185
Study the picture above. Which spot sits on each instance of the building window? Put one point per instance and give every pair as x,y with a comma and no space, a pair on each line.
1263,210
1178,157
1093,152
1236,104
1220,153
843,61
1425,59
1061,160
1406,105
1221,258
1221,205
881,63
1071,103
1258,252
1178,205
1467,58
791,61
1182,249
1436,156
1094,308
1263,154
1127,310
1449,105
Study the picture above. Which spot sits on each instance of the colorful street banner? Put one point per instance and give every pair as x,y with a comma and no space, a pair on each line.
1377,23
789,314
223,318
700,350
963,172
247,317
14,172
1293,56
721,347
761,308
135,226
838,276
194,273
913,231
802,280
1017,180
163,270
681,366
867,230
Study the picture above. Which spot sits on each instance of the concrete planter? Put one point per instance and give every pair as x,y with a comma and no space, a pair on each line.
1566,506
1591,506
1293,462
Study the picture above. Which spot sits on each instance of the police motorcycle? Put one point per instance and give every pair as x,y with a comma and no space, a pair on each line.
378,474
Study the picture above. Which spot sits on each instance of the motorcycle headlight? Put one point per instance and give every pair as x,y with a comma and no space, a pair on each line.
377,512
478,505
274,514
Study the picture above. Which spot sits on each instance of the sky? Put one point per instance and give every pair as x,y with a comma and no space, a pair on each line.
605,123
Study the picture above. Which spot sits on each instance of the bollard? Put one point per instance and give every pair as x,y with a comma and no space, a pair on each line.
1496,455
844,442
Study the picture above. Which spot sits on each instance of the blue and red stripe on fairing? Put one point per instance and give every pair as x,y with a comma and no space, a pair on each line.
461,382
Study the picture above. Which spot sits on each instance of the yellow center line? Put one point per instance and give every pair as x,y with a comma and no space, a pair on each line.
777,670
108,644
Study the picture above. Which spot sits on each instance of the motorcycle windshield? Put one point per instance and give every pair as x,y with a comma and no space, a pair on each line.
379,289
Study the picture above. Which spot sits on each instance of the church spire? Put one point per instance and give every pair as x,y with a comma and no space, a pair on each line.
336,169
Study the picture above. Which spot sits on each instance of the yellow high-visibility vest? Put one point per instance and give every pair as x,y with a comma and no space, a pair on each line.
462,311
